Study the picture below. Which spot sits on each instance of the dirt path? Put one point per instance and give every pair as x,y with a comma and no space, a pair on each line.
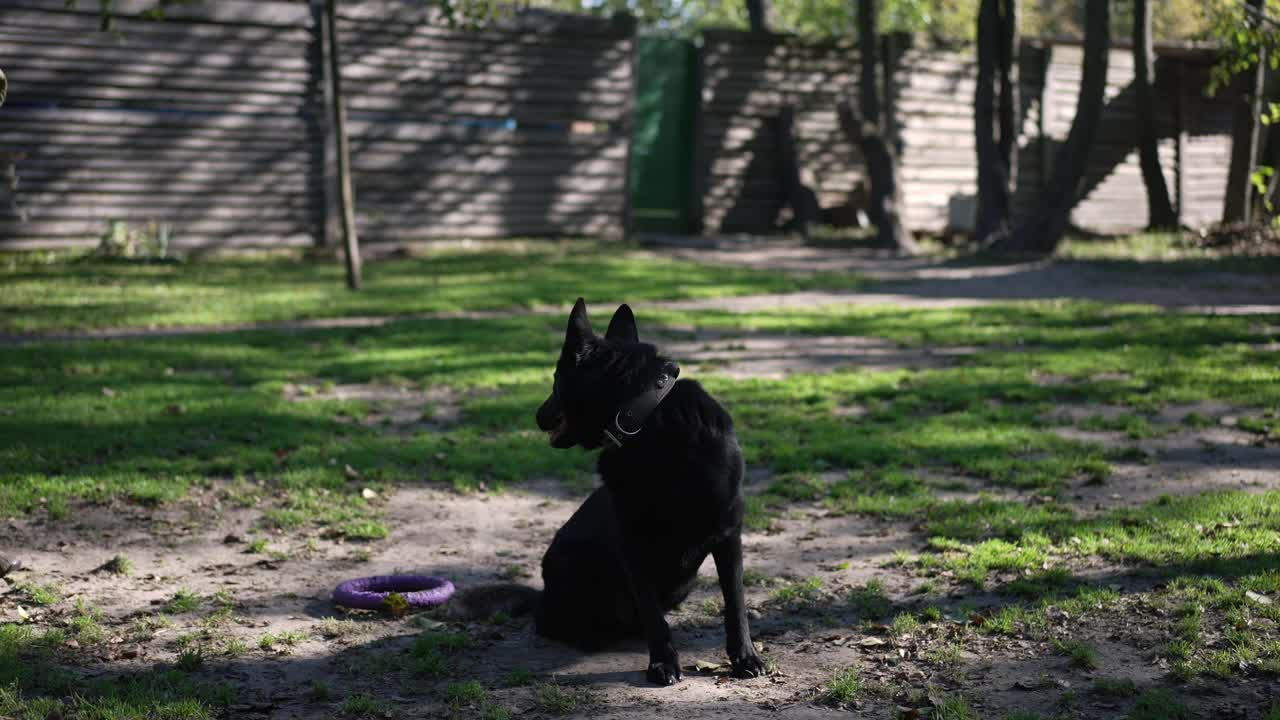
803,570
801,574
921,282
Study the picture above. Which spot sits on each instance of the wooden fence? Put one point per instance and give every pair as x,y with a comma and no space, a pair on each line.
209,121
748,80
521,128
214,122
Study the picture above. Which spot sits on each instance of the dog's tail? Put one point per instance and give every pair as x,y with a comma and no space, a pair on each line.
481,602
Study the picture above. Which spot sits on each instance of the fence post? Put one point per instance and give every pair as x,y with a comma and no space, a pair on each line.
1180,132
346,195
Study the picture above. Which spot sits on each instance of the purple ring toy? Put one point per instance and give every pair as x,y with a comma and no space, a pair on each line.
371,593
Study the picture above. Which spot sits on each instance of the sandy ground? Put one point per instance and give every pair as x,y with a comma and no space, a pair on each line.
481,538
495,536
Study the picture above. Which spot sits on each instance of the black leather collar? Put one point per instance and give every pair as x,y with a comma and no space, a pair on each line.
630,418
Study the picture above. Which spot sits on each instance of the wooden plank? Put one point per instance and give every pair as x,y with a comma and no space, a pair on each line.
470,230
376,80
412,35
141,120
229,84
25,42
242,58
183,242
85,29
65,153
32,187
244,12
213,211
38,43
372,223
94,227
388,184
96,137
532,112
98,95
182,168
373,154
424,133
405,95
570,64
231,201
66,67
393,15
517,166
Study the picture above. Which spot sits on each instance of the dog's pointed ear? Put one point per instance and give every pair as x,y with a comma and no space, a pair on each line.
579,330
622,327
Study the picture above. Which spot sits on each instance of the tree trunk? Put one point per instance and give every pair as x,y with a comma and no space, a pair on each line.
1244,142
756,11
351,243
867,130
1160,213
1042,232
993,181
1010,110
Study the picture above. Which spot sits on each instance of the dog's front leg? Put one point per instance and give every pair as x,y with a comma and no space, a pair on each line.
742,652
664,663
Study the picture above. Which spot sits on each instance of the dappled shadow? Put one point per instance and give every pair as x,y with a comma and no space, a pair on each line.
220,157
1221,285
516,128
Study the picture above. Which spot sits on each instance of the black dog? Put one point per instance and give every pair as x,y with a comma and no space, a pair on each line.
672,494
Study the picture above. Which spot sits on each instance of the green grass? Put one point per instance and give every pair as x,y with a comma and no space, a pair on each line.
32,685
335,629
37,594
47,292
119,565
1159,705
844,687
1080,655
363,705
209,412
280,641
795,593
555,699
183,601
953,707
429,655
471,695
983,419
519,677
1113,687
904,624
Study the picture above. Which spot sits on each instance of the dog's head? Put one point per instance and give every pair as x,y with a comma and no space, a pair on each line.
595,375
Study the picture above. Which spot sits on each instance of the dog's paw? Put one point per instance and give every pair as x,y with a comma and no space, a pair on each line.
664,672
749,665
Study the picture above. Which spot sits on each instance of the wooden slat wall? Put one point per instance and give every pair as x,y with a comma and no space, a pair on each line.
1206,157
746,82
935,115
208,121
1115,196
749,79
518,129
